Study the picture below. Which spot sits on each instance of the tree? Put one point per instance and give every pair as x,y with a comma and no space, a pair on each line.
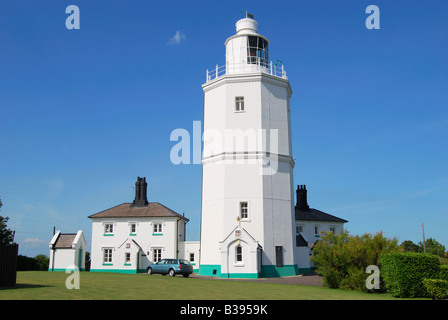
433,247
342,259
6,235
43,261
409,246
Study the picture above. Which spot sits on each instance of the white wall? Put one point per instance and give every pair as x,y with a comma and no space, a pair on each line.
232,173
144,236
190,247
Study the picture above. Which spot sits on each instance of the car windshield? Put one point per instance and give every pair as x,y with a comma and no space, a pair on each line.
184,261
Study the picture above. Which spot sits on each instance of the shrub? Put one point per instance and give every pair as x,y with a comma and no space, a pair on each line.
403,273
443,272
436,288
342,258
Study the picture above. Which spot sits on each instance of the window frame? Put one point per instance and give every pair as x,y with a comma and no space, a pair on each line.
132,229
157,229
156,255
107,256
108,229
244,216
239,255
127,258
239,104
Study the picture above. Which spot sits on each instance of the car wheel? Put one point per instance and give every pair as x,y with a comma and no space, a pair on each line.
149,271
186,275
171,273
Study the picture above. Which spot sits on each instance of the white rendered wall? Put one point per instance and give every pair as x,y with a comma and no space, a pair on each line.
144,236
232,173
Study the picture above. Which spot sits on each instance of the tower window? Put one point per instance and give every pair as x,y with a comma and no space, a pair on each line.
239,104
239,254
244,214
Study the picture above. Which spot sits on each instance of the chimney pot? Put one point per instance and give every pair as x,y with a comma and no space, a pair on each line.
141,199
302,201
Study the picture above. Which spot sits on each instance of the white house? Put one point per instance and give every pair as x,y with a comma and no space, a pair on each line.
67,251
309,225
130,236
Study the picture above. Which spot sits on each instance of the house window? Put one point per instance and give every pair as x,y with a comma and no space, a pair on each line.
243,210
239,254
127,259
107,256
157,255
109,228
191,257
157,228
239,104
299,229
133,228
333,229
316,231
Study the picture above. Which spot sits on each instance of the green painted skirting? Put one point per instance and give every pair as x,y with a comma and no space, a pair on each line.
266,272
211,270
274,272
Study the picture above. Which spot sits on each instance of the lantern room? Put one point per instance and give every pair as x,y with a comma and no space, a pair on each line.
247,50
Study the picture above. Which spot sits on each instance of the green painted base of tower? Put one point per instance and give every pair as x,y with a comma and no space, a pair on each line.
267,271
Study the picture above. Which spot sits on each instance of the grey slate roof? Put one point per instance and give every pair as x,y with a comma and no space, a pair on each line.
128,210
316,215
65,241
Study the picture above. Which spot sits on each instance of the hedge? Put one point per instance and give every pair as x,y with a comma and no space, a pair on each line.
403,273
436,288
444,272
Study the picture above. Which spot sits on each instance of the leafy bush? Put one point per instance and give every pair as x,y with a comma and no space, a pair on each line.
342,258
403,273
443,272
436,288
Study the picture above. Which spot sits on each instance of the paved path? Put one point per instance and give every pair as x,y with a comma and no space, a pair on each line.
304,280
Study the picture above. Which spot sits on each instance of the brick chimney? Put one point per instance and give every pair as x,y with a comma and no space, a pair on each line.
302,201
141,199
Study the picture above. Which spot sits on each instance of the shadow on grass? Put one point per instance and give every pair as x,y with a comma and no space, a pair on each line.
25,286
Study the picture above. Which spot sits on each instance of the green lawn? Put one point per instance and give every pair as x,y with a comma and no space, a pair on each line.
94,286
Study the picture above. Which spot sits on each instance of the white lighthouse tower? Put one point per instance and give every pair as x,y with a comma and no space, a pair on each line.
247,222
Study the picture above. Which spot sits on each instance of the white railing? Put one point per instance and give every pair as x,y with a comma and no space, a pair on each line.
233,68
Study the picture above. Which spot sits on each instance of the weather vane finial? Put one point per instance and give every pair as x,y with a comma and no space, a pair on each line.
248,15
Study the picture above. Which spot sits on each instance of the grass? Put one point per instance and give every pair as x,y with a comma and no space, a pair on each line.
41,285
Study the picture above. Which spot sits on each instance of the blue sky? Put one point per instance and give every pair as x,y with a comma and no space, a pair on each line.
84,112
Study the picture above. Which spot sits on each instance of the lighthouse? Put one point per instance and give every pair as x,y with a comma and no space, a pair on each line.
247,218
